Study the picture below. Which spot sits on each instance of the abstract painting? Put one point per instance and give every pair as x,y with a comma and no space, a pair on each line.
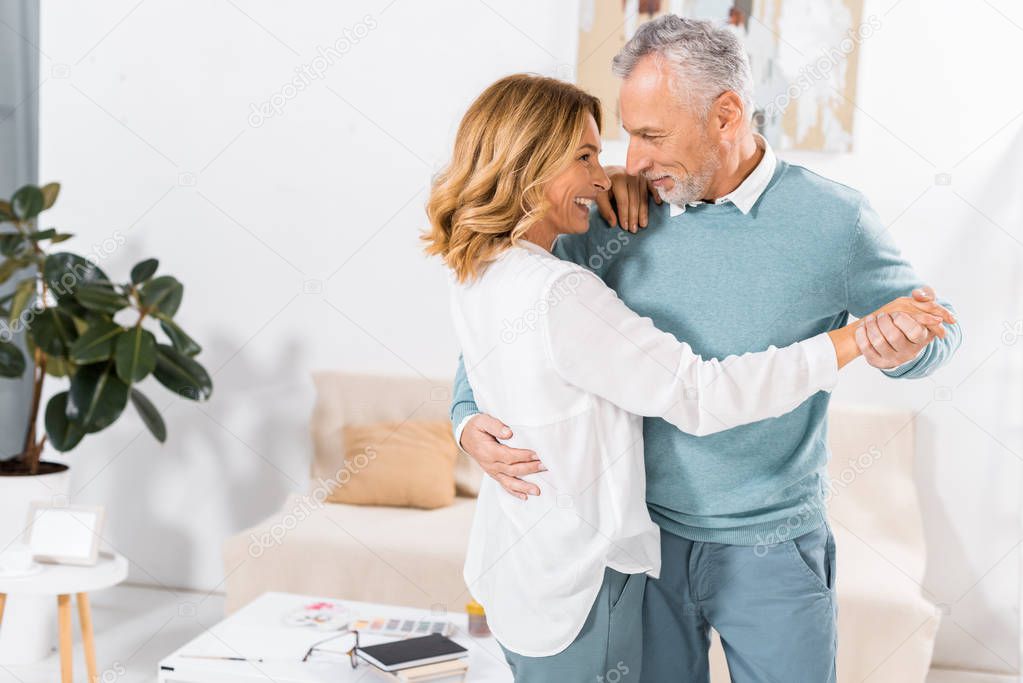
804,56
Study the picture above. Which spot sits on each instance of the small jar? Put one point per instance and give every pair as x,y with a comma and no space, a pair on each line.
477,620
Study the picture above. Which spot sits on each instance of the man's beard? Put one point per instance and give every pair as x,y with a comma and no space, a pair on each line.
694,186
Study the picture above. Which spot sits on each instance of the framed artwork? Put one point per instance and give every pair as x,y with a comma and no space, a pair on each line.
804,56
67,534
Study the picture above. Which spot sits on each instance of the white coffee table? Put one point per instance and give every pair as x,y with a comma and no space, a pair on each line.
258,631
64,581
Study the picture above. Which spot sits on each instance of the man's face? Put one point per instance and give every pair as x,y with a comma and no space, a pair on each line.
673,147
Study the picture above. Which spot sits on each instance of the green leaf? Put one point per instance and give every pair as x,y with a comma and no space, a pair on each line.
135,355
50,192
24,292
86,318
27,202
144,270
181,374
163,295
97,397
53,331
96,343
6,212
63,433
59,367
66,272
179,338
61,237
12,360
149,414
9,267
12,243
101,297
43,234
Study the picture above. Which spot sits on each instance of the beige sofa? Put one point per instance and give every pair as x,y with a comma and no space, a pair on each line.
414,557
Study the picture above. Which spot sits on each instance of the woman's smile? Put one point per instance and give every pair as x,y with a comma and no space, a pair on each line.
583,204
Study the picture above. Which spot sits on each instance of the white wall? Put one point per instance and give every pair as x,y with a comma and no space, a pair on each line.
296,239
297,242
933,100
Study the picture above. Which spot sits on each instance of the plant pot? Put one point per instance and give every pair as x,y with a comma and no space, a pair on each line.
29,631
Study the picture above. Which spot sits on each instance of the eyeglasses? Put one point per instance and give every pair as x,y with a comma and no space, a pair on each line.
352,653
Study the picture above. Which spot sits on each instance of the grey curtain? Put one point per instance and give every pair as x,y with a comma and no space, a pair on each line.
19,164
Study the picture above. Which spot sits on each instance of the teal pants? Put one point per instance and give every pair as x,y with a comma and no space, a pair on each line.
609,649
773,606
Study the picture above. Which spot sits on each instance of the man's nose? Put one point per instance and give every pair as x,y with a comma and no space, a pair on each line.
635,160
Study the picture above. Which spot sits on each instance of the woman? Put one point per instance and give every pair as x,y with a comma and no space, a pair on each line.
571,369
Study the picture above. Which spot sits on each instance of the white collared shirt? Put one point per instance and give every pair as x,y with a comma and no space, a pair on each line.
551,351
749,190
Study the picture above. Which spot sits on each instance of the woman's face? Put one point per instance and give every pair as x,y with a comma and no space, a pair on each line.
574,190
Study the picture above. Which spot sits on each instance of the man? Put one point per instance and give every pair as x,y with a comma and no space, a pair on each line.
740,255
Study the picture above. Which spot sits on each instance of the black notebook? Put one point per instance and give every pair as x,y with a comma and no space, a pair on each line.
403,654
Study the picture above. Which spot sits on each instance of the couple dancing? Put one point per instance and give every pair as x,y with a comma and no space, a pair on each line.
651,404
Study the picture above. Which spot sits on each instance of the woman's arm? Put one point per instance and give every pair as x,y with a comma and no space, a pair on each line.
927,313
597,343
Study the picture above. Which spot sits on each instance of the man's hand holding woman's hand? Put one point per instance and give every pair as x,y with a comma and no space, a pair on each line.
898,331
895,333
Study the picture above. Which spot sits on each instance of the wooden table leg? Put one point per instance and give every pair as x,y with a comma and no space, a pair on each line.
64,626
3,603
88,643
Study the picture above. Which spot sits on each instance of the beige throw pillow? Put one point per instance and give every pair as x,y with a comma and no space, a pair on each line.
402,464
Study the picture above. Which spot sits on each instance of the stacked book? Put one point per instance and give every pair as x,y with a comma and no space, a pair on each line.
429,658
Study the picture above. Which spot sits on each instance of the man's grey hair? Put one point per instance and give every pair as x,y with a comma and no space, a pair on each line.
708,60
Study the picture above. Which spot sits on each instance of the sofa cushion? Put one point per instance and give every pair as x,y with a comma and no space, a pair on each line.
344,398
393,555
409,463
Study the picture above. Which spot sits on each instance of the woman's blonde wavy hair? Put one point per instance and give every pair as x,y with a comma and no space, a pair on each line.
517,135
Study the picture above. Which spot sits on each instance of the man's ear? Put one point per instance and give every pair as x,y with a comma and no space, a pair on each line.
727,113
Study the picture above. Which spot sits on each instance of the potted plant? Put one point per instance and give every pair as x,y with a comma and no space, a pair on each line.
96,335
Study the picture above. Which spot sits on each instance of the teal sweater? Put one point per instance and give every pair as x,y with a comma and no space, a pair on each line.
810,252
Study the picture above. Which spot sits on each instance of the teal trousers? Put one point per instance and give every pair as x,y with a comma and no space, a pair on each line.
773,605
609,649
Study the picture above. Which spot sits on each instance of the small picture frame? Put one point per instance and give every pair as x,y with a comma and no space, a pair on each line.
64,534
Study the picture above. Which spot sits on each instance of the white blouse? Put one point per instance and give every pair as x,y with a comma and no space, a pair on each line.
553,353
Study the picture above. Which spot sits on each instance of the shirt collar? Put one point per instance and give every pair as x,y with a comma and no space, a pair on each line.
750,189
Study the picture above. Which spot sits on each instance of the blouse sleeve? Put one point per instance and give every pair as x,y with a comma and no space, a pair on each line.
600,345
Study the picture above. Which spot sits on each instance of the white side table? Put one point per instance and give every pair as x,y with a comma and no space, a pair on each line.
65,581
